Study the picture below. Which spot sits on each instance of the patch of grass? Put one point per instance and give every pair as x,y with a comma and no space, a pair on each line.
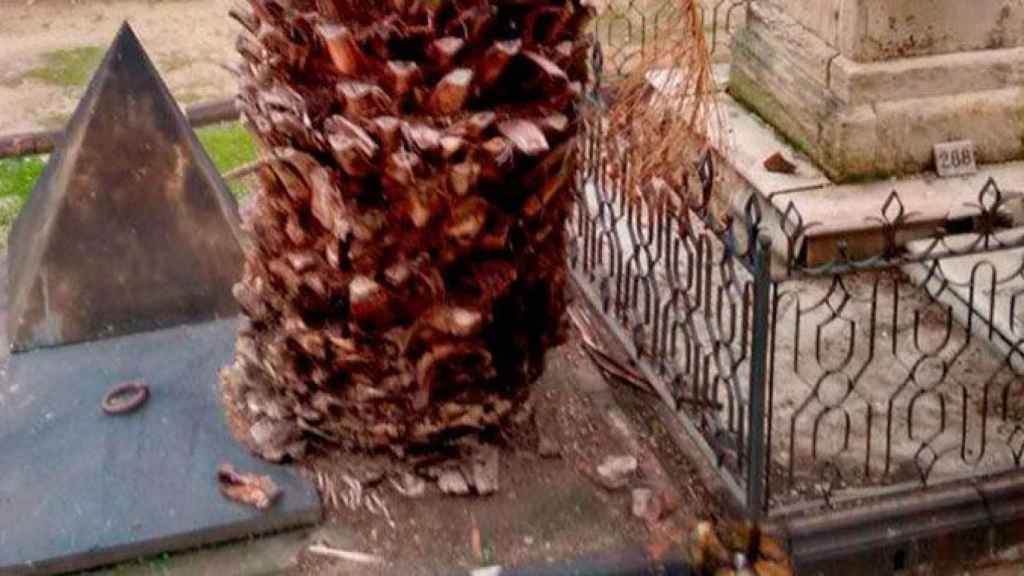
10,206
19,175
68,68
17,178
229,146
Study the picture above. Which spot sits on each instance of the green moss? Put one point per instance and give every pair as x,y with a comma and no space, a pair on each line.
69,67
759,102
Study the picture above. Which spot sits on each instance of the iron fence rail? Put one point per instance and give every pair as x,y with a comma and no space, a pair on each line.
810,387
811,384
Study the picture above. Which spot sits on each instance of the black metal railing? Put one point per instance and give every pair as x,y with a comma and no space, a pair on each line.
812,387
630,30
691,302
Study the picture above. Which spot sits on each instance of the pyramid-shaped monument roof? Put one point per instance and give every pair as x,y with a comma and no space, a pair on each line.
130,228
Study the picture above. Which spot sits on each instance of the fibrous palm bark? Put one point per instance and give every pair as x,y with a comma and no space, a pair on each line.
407,261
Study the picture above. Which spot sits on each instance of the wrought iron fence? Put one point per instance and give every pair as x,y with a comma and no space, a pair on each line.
812,387
899,371
686,297
629,29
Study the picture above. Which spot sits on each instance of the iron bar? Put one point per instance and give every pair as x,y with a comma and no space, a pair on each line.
758,378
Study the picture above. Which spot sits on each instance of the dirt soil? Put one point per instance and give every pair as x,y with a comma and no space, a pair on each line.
190,41
546,510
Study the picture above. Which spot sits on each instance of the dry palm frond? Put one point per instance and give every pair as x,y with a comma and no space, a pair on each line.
660,96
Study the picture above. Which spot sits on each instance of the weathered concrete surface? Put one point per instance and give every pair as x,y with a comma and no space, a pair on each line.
81,489
869,119
130,227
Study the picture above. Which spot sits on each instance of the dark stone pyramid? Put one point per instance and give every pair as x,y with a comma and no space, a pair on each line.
130,228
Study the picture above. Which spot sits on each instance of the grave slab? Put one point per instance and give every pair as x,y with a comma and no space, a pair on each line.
81,489
130,228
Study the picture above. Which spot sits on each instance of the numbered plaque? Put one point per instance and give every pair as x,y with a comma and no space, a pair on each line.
955,158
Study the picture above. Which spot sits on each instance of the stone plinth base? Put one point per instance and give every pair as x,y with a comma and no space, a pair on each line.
869,119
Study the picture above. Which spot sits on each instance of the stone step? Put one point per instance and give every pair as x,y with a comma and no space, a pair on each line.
846,218
856,215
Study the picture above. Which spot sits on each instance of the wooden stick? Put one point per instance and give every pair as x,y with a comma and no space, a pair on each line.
44,141
357,557
246,169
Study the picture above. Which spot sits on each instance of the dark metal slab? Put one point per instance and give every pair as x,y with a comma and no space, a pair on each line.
81,489
130,228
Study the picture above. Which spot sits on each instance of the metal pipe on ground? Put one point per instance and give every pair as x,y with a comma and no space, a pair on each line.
44,141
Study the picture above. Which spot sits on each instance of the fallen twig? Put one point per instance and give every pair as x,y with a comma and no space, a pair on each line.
358,557
612,367
246,169
605,361
353,498
375,505
44,141
327,489
474,539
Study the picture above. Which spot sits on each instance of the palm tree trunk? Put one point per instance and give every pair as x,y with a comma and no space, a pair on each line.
407,264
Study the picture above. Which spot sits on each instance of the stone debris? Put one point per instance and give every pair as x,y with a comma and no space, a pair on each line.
778,164
616,471
257,491
452,483
646,505
486,465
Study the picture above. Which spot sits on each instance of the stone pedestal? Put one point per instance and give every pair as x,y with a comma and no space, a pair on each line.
868,87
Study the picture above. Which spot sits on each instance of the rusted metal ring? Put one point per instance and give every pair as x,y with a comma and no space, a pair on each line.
125,398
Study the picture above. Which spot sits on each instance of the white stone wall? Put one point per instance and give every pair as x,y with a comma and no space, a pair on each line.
876,30
862,118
